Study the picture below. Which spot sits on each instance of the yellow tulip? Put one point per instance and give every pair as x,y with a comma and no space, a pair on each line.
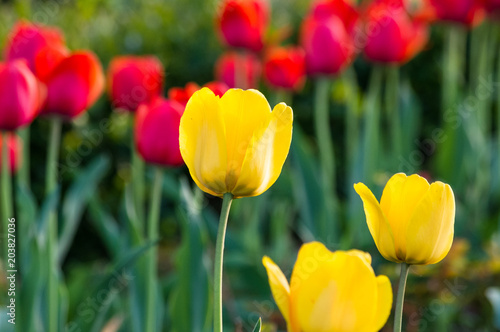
413,222
234,144
331,291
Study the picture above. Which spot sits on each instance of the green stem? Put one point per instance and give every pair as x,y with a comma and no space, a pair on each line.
351,117
219,258
371,125
392,105
24,171
137,176
327,156
6,193
153,227
398,315
51,184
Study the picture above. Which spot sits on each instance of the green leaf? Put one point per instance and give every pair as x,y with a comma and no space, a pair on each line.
190,303
76,199
106,226
116,280
26,214
48,206
307,188
258,326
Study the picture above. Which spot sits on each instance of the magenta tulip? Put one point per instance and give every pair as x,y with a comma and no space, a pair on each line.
133,80
27,39
157,132
21,95
73,85
327,36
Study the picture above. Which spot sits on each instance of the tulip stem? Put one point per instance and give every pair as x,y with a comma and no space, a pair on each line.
137,176
371,116
398,315
392,105
6,195
219,258
51,184
327,156
24,170
153,221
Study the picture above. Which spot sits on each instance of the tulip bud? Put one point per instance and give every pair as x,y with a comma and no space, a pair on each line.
157,132
392,35
14,144
73,85
413,222
467,12
134,80
243,23
27,39
331,291
248,66
21,95
284,68
327,36
234,144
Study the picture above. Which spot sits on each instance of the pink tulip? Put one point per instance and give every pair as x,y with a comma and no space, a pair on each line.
157,132
133,80
27,39
21,95
327,36
393,36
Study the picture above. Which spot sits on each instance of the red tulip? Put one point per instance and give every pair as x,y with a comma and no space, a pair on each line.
285,68
73,85
243,23
493,7
218,88
248,64
133,80
182,95
327,36
157,132
15,148
392,35
27,39
468,12
21,95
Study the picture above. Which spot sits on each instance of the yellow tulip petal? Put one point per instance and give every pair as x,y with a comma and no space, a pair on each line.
339,295
202,141
279,287
243,112
366,257
377,223
430,232
384,302
400,198
266,153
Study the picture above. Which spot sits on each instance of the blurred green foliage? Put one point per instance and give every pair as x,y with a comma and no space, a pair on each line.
182,34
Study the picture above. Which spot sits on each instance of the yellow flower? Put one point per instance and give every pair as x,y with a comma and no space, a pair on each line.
331,291
234,144
413,222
